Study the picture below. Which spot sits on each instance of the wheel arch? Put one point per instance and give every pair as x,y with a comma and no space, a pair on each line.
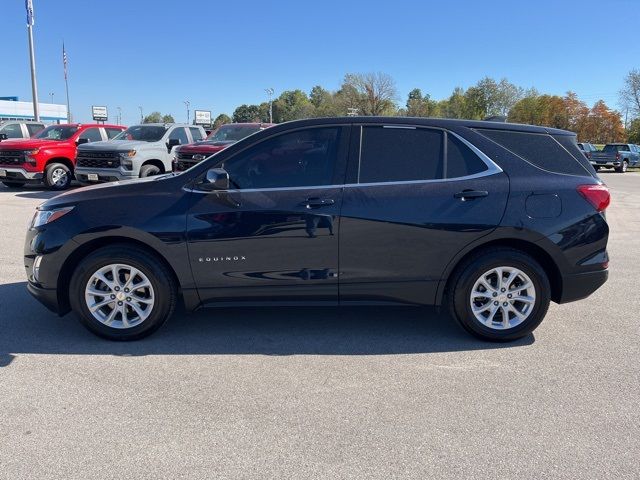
64,160
538,253
155,162
74,259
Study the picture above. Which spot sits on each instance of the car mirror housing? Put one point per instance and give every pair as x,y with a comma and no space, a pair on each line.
217,179
3,136
80,141
173,142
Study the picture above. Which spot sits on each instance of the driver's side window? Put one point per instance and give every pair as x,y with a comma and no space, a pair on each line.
295,159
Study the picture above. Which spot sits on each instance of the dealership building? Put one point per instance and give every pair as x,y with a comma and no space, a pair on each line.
12,109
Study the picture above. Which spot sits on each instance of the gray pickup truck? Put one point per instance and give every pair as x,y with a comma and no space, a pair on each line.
140,151
618,156
19,129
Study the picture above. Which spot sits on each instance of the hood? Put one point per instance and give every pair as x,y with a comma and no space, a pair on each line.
26,143
113,145
206,147
104,191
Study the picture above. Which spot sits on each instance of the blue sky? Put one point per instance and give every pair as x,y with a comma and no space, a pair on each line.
219,54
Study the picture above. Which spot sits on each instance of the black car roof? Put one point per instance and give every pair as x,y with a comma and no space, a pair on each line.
428,122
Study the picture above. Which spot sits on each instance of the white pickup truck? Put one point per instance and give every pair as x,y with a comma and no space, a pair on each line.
140,151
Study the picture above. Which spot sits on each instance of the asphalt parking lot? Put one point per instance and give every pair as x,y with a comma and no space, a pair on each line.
323,393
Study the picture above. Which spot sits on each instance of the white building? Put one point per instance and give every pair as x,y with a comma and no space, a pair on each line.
49,112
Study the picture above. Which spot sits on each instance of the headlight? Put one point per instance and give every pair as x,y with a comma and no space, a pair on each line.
32,152
129,154
43,217
125,159
29,155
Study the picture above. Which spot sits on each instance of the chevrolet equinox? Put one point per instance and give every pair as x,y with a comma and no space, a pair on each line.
493,220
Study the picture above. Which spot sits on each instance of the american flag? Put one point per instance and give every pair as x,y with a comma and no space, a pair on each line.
64,60
29,5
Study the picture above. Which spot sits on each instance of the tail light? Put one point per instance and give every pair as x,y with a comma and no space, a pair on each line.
589,155
596,195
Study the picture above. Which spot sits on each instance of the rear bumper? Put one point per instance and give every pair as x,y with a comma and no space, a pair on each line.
48,297
580,285
14,174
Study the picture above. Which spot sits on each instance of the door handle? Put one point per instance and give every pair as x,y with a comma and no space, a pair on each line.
470,194
317,202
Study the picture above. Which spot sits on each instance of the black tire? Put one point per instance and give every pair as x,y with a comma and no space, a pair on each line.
57,176
161,279
149,170
622,168
464,278
596,168
14,184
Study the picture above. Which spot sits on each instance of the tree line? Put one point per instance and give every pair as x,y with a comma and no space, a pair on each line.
375,94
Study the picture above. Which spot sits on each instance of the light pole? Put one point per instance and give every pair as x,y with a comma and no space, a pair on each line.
119,115
186,102
51,95
141,116
270,94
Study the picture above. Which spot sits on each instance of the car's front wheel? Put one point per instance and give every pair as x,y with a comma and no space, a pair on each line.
57,176
623,167
149,170
500,295
122,293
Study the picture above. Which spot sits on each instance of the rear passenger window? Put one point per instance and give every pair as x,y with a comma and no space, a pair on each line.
92,134
34,128
196,134
181,134
461,161
400,154
112,132
13,130
538,149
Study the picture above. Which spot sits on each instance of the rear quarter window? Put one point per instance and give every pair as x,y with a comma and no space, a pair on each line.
542,150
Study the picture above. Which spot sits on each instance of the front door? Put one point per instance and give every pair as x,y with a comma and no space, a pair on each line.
273,237
416,197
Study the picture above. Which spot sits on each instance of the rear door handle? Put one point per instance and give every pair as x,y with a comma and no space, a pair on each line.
470,194
317,202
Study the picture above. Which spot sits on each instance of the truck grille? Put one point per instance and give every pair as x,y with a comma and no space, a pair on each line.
98,159
11,157
185,156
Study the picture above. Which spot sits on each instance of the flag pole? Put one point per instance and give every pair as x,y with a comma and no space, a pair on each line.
32,58
66,83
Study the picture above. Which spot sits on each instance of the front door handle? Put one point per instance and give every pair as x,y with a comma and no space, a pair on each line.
317,202
470,194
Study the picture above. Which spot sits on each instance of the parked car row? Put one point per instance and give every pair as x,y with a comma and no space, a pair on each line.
19,129
618,156
93,153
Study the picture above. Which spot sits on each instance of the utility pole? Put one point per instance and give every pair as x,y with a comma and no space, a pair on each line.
141,116
119,115
32,58
270,94
51,95
186,102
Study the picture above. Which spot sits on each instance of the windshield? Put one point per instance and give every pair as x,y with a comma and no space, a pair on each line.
145,133
57,132
232,133
616,148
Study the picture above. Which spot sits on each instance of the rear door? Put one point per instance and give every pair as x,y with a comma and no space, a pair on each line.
273,237
415,197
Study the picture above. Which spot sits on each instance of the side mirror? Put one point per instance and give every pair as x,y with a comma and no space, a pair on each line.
80,141
217,179
173,142
3,136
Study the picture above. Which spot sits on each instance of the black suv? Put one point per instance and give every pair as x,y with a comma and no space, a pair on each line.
492,219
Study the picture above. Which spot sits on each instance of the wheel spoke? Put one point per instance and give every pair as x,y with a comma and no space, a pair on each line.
99,305
125,317
492,314
523,299
512,276
141,313
482,308
100,276
98,293
505,316
112,315
477,294
132,274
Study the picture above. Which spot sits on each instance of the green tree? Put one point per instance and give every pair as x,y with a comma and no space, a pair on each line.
246,114
419,105
221,119
375,93
157,117
633,131
168,118
292,105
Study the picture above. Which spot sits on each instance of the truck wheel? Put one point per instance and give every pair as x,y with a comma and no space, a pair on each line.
13,184
500,295
122,292
57,176
149,171
622,168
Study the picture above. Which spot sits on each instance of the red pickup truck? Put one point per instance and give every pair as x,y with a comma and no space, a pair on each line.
228,134
50,155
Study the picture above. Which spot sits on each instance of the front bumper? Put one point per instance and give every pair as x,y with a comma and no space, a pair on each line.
48,297
104,175
15,174
580,285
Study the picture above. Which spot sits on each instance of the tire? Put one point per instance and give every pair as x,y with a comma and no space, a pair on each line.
57,176
622,168
158,300
466,278
149,170
14,184
596,168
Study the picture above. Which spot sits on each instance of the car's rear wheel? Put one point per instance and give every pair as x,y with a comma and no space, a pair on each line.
500,295
122,293
149,171
14,184
57,176
623,167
